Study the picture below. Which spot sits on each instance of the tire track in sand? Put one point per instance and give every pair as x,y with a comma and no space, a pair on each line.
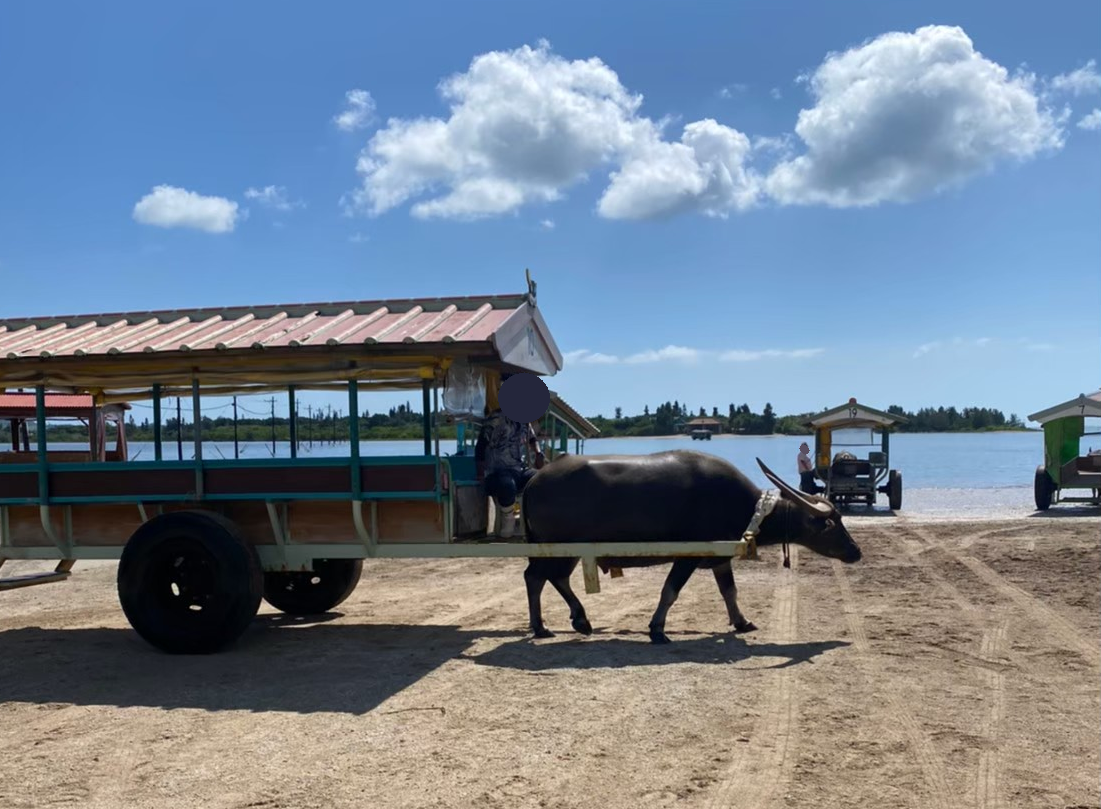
932,767
993,648
757,776
988,793
1030,606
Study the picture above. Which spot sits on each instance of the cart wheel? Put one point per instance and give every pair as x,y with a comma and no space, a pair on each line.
1042,488
894,490
189,583
316,592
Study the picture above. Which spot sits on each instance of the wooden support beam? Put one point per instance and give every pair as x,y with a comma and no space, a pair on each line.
592,578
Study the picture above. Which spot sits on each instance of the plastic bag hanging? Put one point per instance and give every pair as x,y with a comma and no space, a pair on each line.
464,391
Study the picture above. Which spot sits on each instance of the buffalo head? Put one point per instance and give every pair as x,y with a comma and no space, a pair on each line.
817,525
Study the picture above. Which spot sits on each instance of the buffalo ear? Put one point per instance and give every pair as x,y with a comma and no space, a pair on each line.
813,507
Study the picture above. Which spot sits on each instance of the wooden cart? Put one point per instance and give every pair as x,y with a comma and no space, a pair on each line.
1065,466
201,541
847,477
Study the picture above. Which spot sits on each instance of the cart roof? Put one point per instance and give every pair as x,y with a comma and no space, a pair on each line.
391,344
58,405
1085,404
854,414
577,423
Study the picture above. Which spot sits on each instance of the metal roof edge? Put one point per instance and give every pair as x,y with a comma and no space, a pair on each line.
507,301
1090,401
569,410
890,417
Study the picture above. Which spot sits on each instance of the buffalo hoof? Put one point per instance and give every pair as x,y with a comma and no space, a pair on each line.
543,632
657,636
748,626
583,626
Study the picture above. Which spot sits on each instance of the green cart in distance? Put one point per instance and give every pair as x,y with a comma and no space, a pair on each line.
848,478
1065,466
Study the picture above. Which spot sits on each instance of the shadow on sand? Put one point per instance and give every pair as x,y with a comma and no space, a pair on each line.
308,666
1063,511
865,511
279,664
607,651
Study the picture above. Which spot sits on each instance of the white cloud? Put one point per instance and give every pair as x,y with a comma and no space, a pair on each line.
1091,122
360,111
741,355
705,172
169,207
732,90
586,357
273,196
782,146
686,355
775,93
1083,81
527,124
669,353
907,115
897,118
359,238
547,224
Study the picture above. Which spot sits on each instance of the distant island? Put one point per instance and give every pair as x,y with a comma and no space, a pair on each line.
403,423
672,418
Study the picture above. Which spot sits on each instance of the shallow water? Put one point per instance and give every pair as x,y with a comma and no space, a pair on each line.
947,475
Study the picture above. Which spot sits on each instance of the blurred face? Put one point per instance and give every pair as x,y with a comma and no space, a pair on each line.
804,448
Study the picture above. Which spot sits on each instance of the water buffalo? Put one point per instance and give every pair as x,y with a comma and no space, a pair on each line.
674,496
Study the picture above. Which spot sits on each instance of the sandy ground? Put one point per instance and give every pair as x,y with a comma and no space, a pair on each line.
955,666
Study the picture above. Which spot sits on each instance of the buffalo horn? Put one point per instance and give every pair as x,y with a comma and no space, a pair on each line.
815,507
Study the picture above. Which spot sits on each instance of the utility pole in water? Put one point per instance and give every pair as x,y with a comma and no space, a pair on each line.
272,400
179,430
236,452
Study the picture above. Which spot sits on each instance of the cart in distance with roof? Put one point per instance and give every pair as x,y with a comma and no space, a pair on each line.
201,541
848,478
1065,466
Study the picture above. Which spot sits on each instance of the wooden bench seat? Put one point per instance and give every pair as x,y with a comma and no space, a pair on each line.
132,481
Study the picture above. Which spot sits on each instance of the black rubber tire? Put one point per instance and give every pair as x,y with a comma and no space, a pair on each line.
1042,489
316,592
189,583
894,490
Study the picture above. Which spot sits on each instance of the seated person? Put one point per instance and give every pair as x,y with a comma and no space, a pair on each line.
806,471
501,457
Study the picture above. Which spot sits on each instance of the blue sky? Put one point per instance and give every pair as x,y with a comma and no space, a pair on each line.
793,203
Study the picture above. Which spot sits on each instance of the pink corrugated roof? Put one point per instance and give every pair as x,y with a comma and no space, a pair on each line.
22,405
402,322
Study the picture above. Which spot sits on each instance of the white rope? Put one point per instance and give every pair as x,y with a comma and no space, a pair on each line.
765,504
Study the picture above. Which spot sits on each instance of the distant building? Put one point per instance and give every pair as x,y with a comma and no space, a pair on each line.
711,425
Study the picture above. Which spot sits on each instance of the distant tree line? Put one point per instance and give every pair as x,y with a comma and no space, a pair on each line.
404,423
672,418
400,423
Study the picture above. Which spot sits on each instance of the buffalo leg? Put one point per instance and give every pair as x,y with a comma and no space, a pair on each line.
535,578
724,577
578,619
537,574
680,574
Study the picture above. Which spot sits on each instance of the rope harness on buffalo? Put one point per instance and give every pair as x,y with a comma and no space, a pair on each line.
765,505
